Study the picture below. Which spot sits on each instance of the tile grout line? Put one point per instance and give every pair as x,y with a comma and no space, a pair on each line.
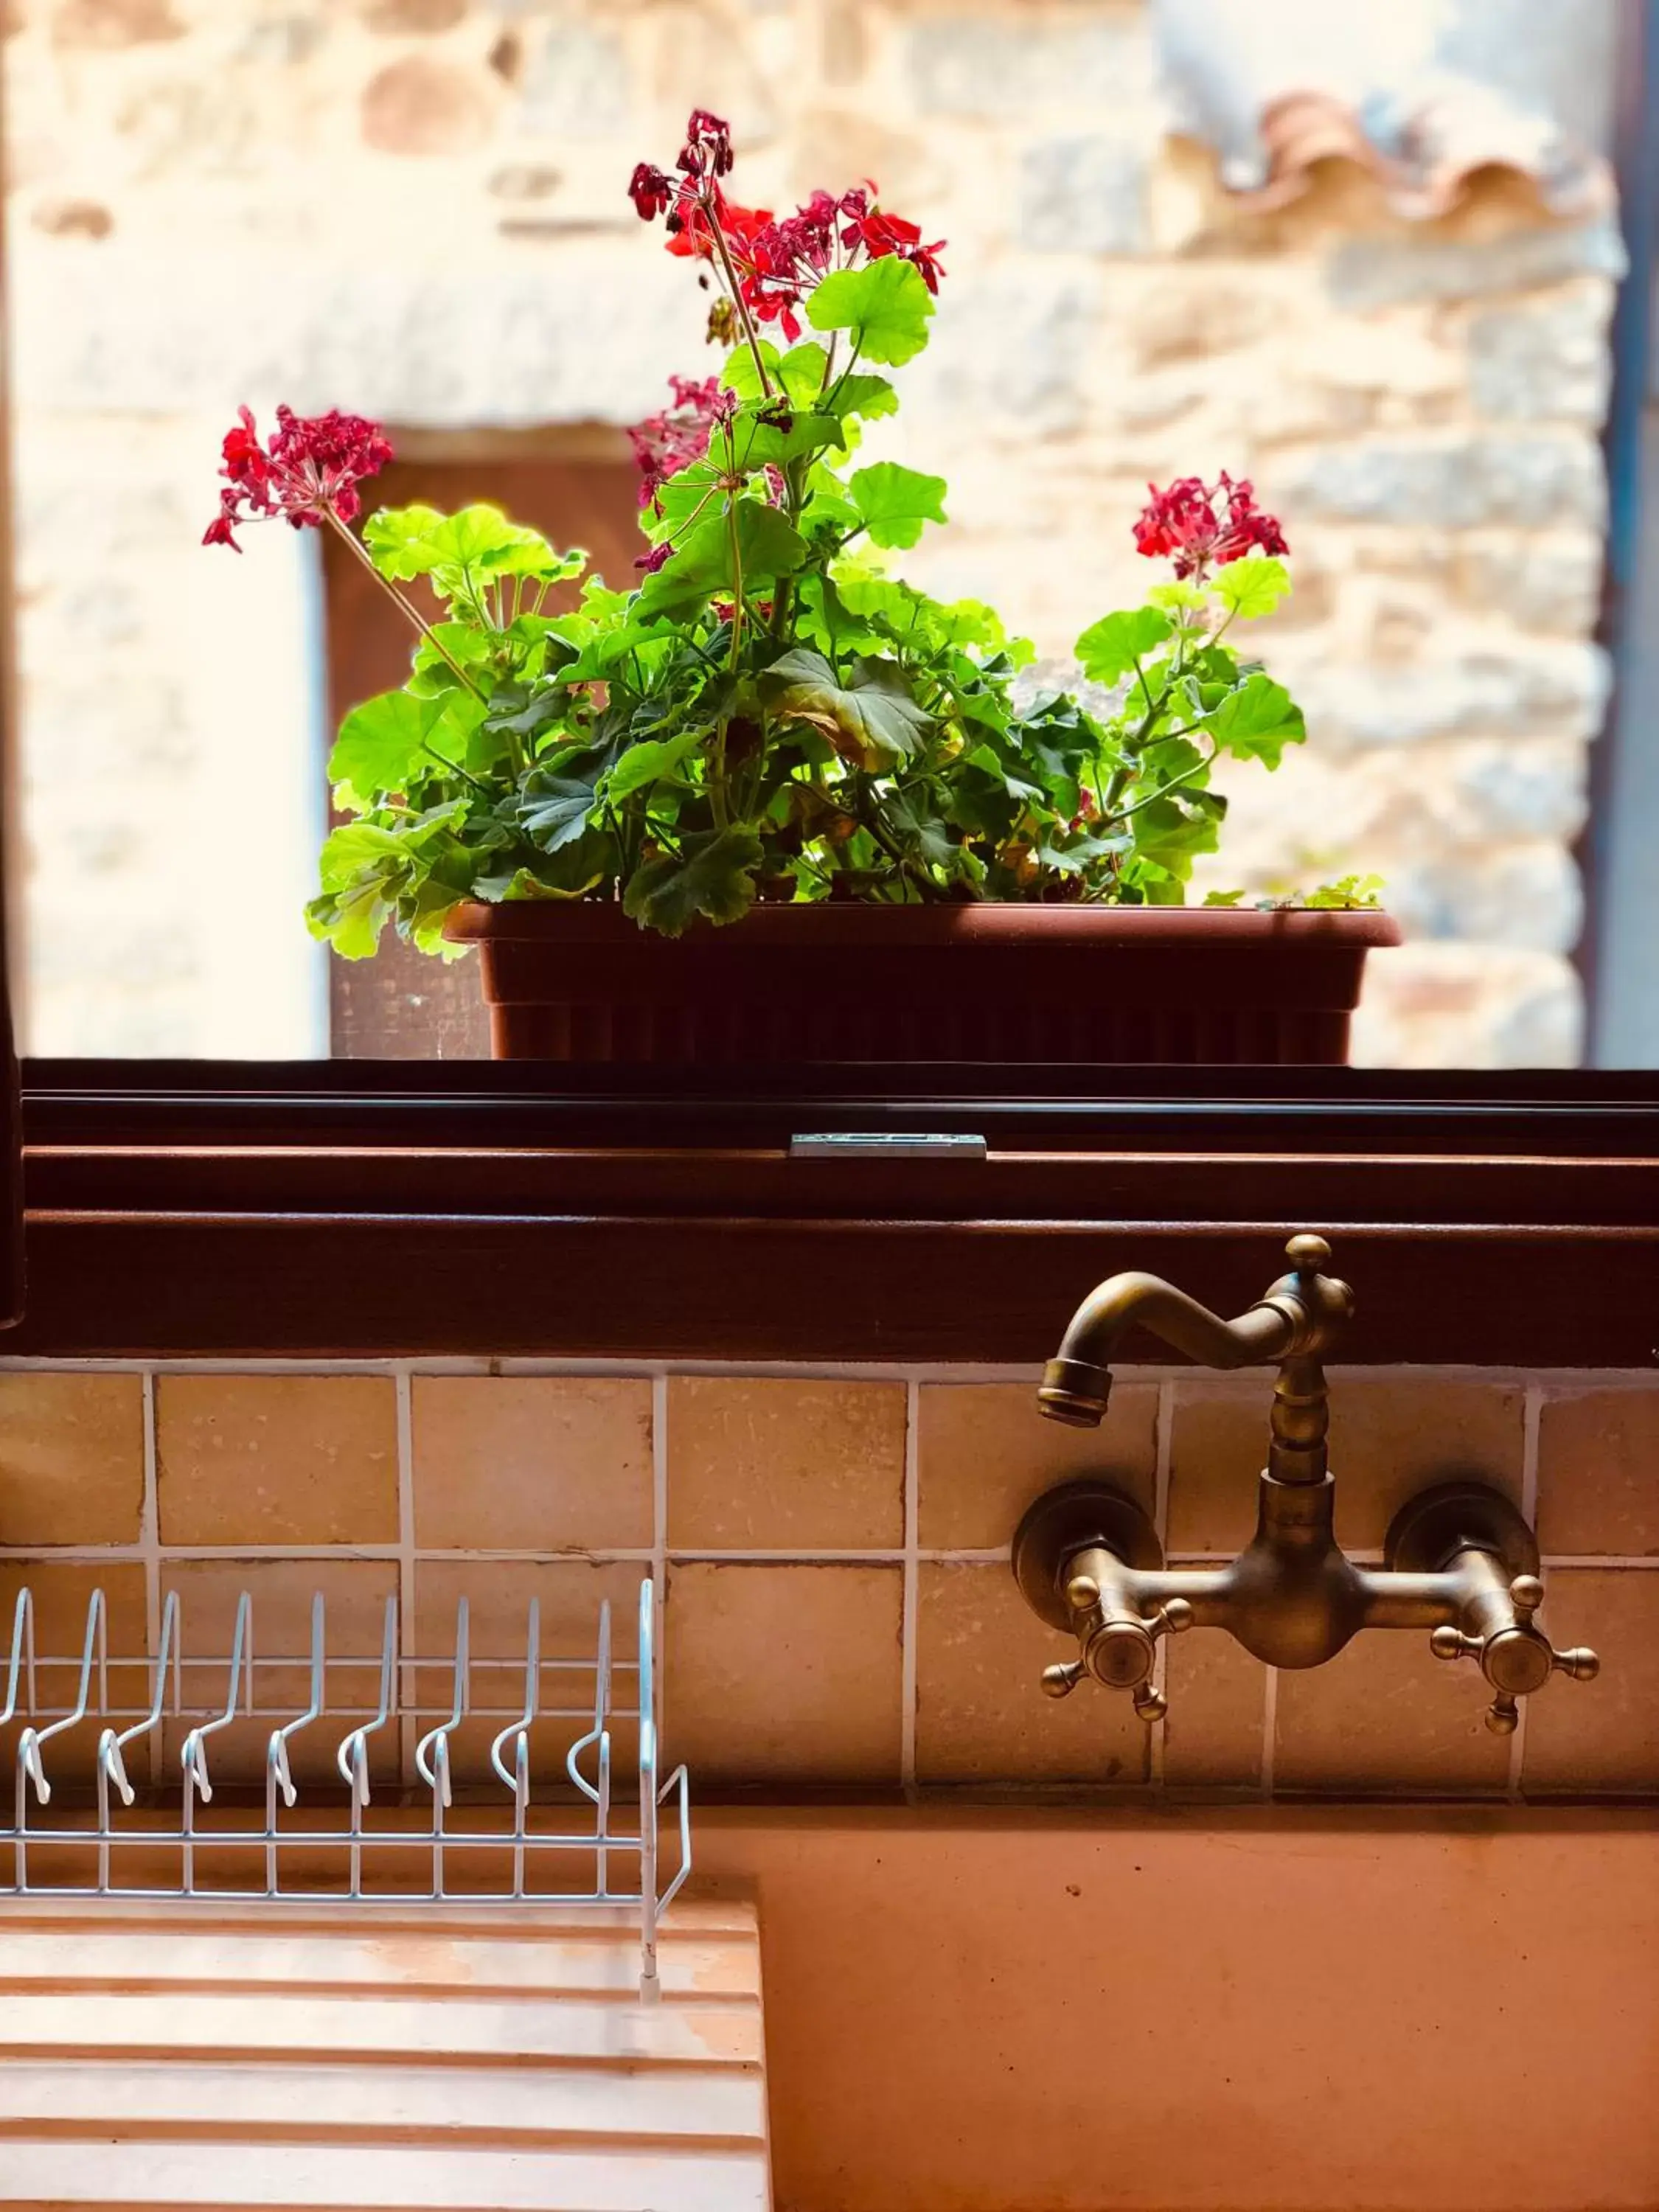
1531,1422
646,1555
660,1541
1164,1441
1269,1728
405,1558
150,1551
911,1591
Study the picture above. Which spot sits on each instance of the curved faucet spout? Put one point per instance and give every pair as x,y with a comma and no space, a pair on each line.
1299,1314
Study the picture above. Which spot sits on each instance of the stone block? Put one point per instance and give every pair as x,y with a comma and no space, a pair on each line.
1451,482
422,106
1541,583
1543,689
1546,359
576,83
1469,1007
114,23
1083,195
1018,345
1366,273
997,68
1527,894
405,17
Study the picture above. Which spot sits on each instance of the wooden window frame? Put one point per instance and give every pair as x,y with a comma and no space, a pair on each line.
367,1210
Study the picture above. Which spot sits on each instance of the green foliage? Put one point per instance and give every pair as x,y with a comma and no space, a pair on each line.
769,714
885,306
895,502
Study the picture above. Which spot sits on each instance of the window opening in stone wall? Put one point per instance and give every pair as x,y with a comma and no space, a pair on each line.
578,486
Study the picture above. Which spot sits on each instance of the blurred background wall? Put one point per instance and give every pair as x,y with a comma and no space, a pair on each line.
1366,254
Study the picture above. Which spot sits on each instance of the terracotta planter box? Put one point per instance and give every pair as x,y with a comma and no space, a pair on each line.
796,985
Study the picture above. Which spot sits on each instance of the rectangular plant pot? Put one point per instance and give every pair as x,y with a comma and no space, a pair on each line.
578,982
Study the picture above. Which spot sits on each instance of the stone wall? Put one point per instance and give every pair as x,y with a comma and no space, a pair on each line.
413,208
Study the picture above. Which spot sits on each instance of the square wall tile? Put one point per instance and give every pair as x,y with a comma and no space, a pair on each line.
783,1674
1386,1716
71,1458
277,1459
1598,1453
1212,1732
980,1713
61,1591
1388,1439
533,1463
761,1463
354,1593
1602,1736
570,1593
986,1452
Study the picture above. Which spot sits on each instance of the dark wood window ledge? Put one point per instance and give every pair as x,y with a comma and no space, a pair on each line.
350,1210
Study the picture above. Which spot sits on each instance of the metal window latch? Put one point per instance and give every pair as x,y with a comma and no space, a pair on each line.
886,1144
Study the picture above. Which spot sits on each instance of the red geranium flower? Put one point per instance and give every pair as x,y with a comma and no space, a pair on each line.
880,233
651,192
708,147
1198,524
671,440
309,470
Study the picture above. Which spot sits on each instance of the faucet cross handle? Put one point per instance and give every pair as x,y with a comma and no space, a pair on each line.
1515,1657
1118,1641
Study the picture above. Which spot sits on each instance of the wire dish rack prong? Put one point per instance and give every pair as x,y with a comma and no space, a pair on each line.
60,1813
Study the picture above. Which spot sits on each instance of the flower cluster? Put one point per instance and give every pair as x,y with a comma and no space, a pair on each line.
770,262
308,471
672,440
1203,525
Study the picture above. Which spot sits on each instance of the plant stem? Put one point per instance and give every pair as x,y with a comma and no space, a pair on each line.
405,606
737,301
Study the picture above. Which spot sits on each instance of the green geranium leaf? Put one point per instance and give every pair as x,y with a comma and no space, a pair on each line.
757,443
886,305
767,548
479,542
1257,722
1171,832
1347,891
896,501
386,740
1109,649
649,762
555,809
1253,586
712,875
871,719
351,922
865,397
1223,899
1179,598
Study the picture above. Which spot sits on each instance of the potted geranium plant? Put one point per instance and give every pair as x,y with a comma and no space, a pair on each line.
772,802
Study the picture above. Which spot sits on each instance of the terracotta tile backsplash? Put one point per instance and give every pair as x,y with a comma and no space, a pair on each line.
979,1714
1598,1471
277,1459
531,1463
71,1458
784,1673
837,1612
985,1452
1387,1441
759,1464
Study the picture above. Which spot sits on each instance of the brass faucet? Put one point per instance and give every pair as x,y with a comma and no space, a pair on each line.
1460,1560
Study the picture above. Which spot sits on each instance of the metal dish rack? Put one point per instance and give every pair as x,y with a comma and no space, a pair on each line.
515,1850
